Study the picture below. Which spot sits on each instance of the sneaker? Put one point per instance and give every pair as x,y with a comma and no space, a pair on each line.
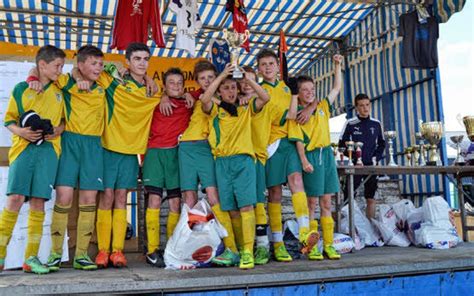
2,263
102,259
118,259
261,255
309,240
156,259
282,255
246,260
54,261
331,253
314,254
84,262
34,265
228,258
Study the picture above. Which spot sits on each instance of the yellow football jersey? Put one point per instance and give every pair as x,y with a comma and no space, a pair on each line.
314,133
280,95
48,104
84,111
261,130
128,115
198,128
231,135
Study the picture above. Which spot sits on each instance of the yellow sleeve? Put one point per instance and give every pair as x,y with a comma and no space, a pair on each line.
63,80
295,132
326,107
12,114
214,110
104,80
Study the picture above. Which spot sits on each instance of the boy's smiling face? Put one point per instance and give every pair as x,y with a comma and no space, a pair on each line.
205,78
174,85
51,70
268,68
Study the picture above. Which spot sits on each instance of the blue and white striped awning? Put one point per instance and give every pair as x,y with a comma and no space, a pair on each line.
310,26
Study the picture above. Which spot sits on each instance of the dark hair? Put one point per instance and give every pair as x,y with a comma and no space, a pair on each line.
202,66
88,51
230,78
172,71
302,79
360,97
266,53
249,69
135,46
49,53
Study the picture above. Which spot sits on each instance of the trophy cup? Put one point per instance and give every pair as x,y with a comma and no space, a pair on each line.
459,159
350,148
341,155
469,124
432,132
408,151
358,146
419,137
416,155
390,135
235,40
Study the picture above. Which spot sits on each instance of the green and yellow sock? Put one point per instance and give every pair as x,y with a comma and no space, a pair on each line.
104,229
173,219
119,221
276,226
7,223
85,228
153,229
300,206
248,236
224,219
58,227
237,227
35,232
313,225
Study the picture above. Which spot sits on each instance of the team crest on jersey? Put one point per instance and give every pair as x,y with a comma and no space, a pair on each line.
128,88
100,90
30,96
321,112
372,129
59,97
222,114
286,89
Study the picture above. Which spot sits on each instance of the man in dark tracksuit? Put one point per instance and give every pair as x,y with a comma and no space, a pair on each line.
363,128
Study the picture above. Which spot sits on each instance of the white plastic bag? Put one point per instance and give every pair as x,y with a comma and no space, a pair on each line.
437,232
387,225
194,247
343,243
414,220
358,244
364,228
402,209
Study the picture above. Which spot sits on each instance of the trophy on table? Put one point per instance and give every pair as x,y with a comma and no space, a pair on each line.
416,155
469,124
432,132
390,135
235,40
341,155
350,149
419,137
408,152
358,146
459,158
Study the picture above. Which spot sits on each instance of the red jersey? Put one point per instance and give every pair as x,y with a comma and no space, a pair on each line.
165,130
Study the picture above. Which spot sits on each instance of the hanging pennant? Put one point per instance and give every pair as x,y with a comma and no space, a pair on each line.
239,18
219,53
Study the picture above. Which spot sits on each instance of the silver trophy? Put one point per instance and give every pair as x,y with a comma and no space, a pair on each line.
433,132
390,135
459,158
334,151
350,149
236,40
408,152
419,137
416,155
358,146
341,155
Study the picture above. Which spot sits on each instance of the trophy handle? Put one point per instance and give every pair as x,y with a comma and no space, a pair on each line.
246,36
226,34
459,119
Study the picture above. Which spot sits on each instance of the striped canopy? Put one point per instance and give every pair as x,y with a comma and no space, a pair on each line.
310,26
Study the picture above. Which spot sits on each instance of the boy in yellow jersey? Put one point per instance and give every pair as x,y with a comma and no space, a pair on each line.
320,174
196,163
33,163
127,124
231,141
283,165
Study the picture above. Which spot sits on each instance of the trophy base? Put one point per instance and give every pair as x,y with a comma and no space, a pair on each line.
237,74
431,163
460,163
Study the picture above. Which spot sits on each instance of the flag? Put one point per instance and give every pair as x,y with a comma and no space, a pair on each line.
239,18
220,54
282,49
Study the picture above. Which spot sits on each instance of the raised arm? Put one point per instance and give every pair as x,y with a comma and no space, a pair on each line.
207,96
262,95
336,89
